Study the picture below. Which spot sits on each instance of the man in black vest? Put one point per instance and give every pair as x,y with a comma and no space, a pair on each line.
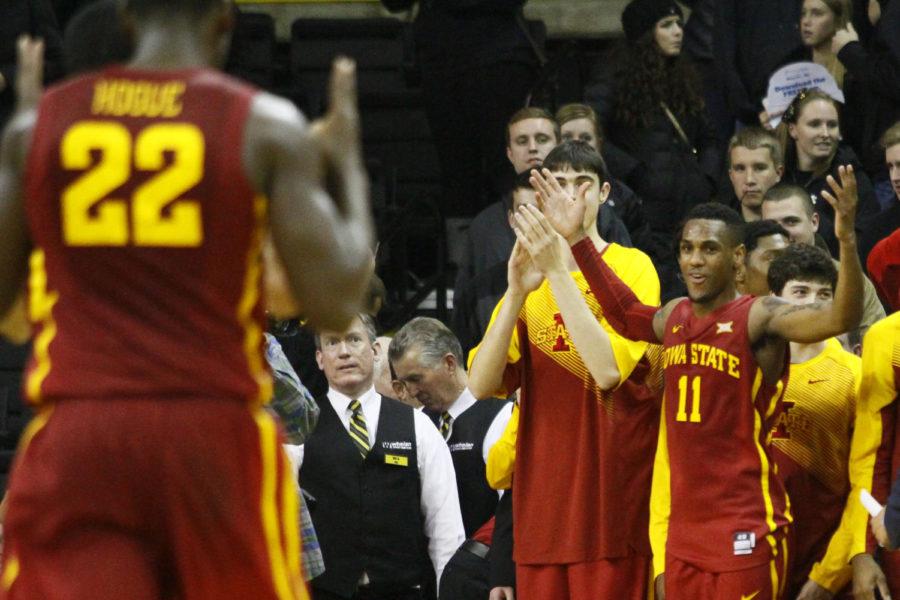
427,359
382,480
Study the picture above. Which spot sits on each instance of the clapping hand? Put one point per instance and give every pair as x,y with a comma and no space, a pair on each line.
564,212
543,244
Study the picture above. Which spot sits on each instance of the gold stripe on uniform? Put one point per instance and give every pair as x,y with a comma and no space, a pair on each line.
268,441
40,310
10,571
784,563
253,333
290,527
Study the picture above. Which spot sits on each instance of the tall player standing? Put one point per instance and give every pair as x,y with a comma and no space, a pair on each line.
150,470
726,362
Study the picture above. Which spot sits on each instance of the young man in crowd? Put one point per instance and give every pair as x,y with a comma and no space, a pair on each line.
755,164
725,368
586,414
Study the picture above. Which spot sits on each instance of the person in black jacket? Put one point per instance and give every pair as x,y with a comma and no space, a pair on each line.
871,88
751,39
810,135
477,66
649,100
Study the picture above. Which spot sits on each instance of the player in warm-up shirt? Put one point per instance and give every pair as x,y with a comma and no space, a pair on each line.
725,359
811,441
874,455
587,422
151,469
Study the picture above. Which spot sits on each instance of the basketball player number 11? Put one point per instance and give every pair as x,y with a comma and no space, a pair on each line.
682,415
91,218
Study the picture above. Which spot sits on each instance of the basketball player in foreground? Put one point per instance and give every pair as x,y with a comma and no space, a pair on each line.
725,368
150,469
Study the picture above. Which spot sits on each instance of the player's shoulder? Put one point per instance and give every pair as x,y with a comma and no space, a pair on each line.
885,329
623,255
842,359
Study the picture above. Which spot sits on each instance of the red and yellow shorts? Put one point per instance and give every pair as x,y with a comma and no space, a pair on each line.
145,499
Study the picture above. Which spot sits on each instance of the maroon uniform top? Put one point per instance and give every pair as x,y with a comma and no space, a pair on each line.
726,501
145,280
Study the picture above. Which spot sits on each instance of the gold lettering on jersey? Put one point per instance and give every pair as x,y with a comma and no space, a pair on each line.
703,355
127,98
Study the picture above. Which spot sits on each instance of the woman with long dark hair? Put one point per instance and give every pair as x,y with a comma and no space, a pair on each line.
650,101
810,134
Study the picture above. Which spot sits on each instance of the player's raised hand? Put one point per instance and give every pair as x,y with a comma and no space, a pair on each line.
543,244
522,275
564,212
843,198
338,131
29,71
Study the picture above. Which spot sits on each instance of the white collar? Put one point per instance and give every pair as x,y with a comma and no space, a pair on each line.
463,403
341,402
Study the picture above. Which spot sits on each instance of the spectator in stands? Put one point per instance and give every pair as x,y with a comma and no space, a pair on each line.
698,47
530,135
428,359
880,226
819,21
764,241
884,268
579,122
871,89
751,40
650,102
791,206
755,164
811,137
478,65
382,479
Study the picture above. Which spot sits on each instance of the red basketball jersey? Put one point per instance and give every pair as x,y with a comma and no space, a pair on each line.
145,279
726,500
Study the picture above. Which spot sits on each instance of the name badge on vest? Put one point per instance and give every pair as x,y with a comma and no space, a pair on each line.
397,461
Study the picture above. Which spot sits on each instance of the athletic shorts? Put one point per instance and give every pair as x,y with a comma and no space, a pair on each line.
763,582
146,499
620,578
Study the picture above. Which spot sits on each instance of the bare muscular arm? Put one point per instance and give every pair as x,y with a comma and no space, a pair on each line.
324,241
815,322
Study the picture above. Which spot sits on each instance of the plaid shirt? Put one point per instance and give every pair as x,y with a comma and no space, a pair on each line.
298,413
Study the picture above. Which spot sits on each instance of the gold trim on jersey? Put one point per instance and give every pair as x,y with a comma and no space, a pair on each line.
253,333
40,310
10,571
763,458
278,539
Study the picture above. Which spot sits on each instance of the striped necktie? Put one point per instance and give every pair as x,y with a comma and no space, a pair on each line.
358,431
446,421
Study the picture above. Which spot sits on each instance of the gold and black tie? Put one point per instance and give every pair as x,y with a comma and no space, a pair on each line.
446,421
358,431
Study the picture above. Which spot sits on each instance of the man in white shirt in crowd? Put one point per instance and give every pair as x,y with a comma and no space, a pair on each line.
381,478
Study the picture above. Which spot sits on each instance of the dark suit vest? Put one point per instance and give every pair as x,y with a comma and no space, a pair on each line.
366,513
476,498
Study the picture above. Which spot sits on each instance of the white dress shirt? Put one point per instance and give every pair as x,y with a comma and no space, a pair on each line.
463,403
439,501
